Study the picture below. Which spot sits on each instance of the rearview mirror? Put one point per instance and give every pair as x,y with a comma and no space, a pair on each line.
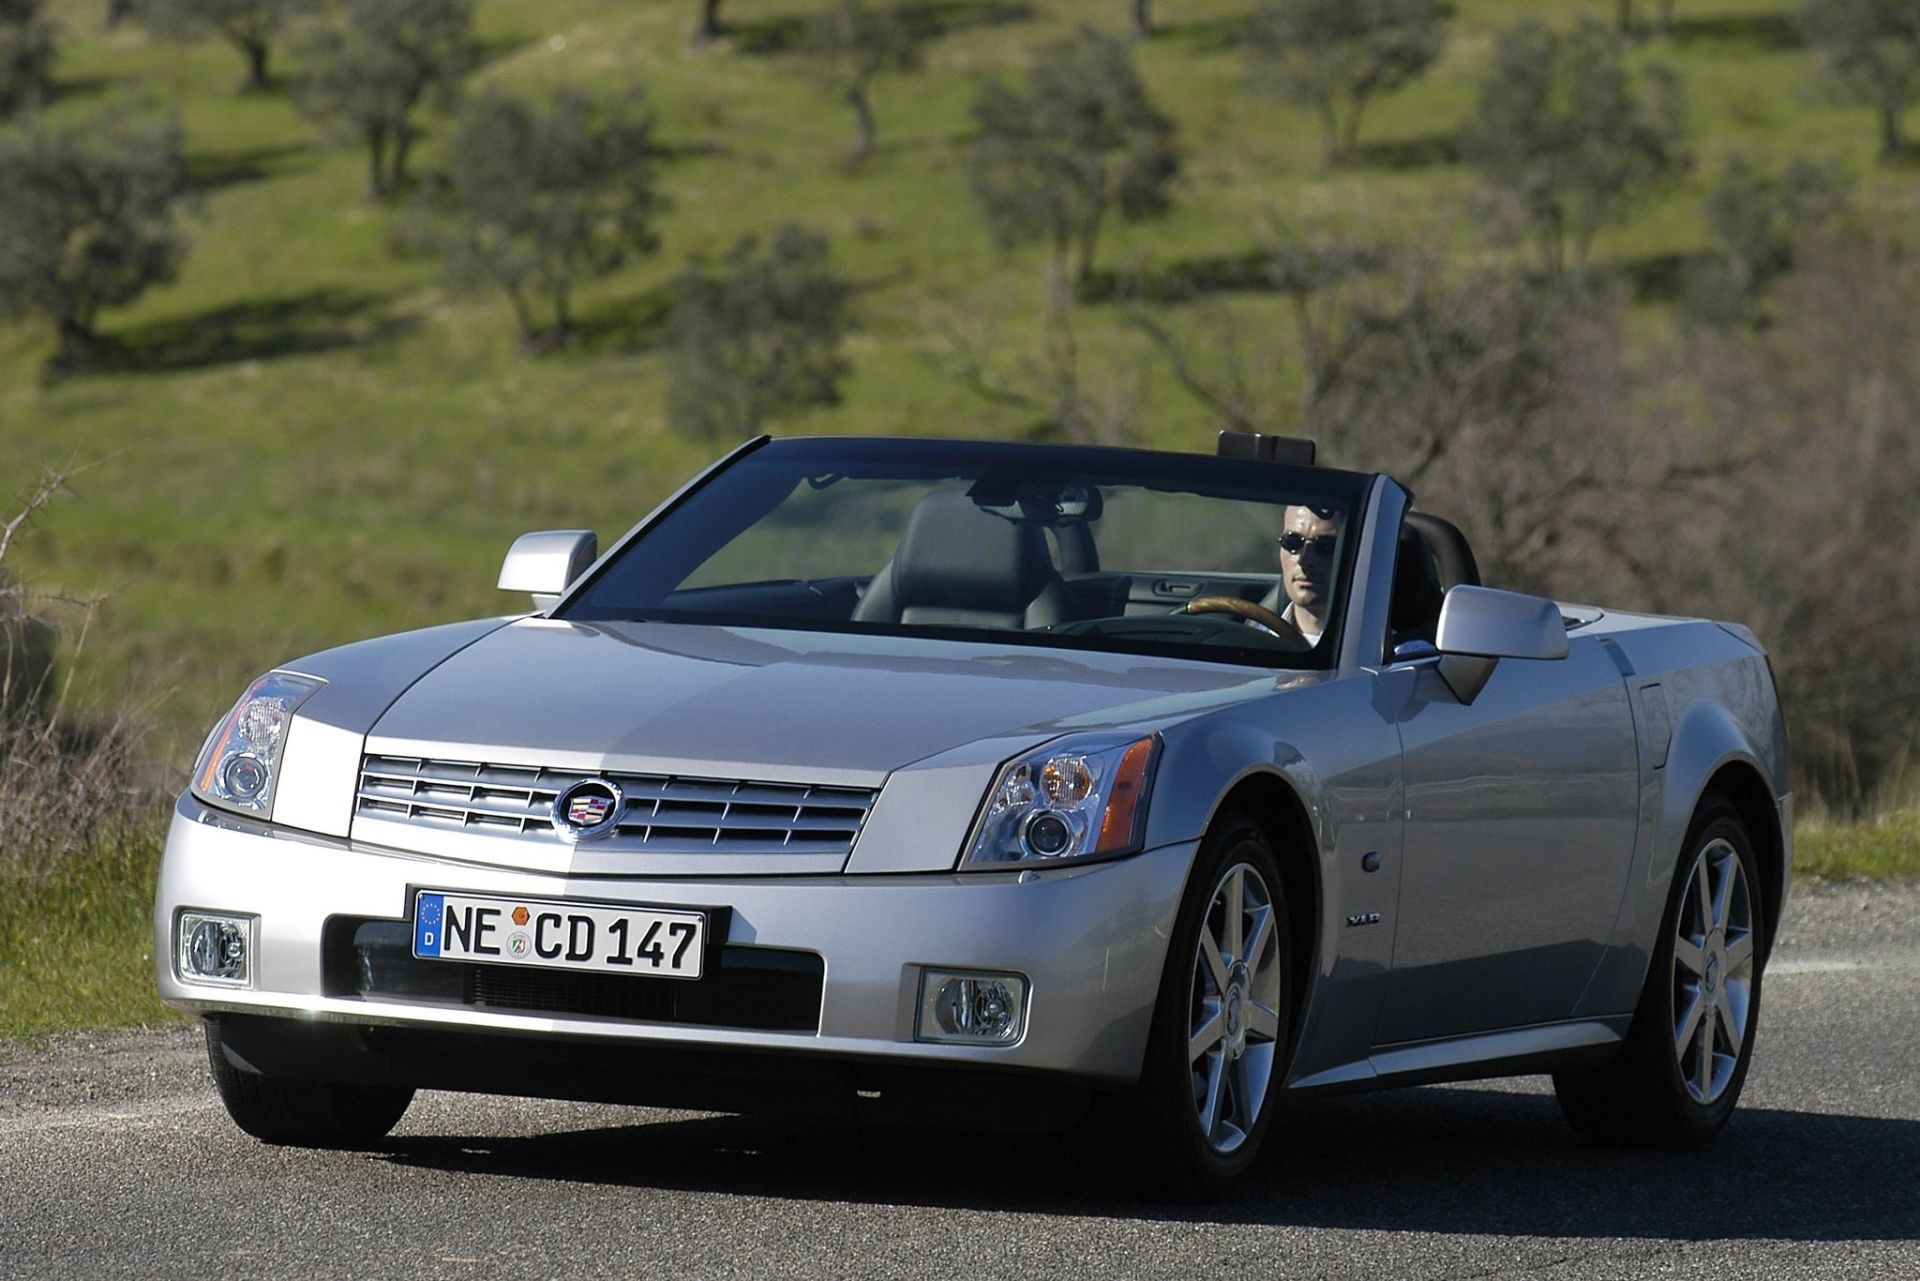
544,563
1480,626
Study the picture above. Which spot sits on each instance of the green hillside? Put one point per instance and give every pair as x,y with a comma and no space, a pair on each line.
305,440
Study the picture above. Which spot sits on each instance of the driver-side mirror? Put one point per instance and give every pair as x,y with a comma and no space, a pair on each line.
1480,626
544,563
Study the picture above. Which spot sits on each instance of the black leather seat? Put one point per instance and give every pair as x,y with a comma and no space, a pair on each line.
1433,558
1414,613
1452,559
962,567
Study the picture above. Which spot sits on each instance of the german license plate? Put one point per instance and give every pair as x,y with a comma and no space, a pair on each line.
558,935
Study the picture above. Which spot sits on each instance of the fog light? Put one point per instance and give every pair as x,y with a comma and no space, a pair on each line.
216,949
972,1008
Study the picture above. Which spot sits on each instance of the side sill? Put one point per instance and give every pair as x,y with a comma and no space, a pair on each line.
1547,1047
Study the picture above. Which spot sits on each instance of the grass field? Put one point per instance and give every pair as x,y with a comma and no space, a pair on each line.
305,440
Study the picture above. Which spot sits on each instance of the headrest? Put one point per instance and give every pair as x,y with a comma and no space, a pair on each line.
955,555
1416,585
1452,557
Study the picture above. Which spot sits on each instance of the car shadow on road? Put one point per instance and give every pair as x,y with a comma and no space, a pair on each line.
1431,1160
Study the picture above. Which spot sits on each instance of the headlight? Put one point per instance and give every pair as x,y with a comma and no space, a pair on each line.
241,762
1077,798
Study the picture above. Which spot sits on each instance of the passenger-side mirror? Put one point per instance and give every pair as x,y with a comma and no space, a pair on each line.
544,563
1480,626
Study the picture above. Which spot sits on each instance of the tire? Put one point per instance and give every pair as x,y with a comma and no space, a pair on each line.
307,1114
1675,1081
1217,1050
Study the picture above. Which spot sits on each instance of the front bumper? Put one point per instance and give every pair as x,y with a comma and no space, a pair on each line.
1090,940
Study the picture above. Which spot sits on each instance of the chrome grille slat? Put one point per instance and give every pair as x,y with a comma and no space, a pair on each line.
664,813
469,807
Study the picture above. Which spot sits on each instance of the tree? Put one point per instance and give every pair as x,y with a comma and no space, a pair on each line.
541,199
372,63
850,43
1085,137
1869,53
26,54
248,25
1819,546
710,26
1662,23
87,216
758,338
1563,131
1757,221
1334,56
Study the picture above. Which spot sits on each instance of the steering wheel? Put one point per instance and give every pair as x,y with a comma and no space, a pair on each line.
1251,612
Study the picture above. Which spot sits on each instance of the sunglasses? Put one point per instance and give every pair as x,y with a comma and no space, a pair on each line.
1293,544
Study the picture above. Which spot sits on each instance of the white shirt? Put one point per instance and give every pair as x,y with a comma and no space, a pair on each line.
1312,638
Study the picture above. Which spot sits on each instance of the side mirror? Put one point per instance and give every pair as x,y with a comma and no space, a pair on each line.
544,563
1480,626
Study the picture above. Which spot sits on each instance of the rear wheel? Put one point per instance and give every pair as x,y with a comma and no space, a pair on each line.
1220,1026
1675,1082
309,1114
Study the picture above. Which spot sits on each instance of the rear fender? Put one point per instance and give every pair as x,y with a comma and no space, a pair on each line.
1707,738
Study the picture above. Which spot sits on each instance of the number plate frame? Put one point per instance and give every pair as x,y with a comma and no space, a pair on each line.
562,934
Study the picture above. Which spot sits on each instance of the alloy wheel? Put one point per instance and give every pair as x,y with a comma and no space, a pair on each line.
1234,1009
1713,958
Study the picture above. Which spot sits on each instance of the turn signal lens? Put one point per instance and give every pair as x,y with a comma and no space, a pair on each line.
1127,797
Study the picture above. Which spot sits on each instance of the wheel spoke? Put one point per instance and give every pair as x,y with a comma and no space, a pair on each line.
1216,1087
1263,1021
1706,1061
1732,1020
1235,923
1262,931
1703,895
1723,892
1209,1034
1689,956
1216,965
1689,1022
1242,1094
1739,953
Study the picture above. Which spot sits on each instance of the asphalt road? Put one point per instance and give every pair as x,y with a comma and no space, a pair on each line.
117,1161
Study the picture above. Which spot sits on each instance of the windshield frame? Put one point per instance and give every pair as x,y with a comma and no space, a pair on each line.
1156,469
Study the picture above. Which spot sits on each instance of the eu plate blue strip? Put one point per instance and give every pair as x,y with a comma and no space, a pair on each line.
426,924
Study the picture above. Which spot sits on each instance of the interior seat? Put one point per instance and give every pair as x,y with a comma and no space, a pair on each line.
962,567
1414,612
1433,558
1452,558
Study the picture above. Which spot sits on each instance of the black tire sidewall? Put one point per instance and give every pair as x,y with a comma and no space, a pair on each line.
1188,1168
1695,1123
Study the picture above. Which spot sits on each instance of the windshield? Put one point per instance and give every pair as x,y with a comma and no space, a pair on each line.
1188,555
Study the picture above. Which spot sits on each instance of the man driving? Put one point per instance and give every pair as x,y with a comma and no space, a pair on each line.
1306,567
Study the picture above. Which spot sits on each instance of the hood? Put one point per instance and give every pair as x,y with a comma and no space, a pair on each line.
777,705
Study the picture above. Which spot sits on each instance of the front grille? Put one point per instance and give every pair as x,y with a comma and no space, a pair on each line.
758,988
664,813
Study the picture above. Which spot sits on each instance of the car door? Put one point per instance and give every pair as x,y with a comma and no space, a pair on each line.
1520,822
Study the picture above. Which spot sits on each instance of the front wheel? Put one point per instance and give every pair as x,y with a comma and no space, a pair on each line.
1219,1037
1676,1080
308,1114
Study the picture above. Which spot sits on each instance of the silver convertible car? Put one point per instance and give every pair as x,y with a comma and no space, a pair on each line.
989,783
